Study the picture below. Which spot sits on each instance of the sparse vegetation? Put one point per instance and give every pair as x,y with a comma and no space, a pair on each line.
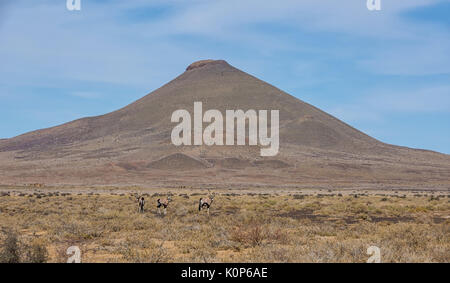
15,251
251,227
10,249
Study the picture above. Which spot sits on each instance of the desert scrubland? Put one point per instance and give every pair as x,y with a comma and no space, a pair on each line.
39,225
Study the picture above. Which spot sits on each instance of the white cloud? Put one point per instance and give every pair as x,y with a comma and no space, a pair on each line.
375,106
93,43
429,99
86,94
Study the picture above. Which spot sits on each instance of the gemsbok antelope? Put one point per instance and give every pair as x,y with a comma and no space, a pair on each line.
164,203
141,203
206,202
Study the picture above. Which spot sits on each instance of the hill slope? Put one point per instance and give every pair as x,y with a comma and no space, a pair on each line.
132,145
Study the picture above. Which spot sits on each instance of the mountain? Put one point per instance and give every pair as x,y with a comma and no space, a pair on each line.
133,145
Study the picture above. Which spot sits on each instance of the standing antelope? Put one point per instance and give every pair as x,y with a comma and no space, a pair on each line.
164,203
206,202
141,203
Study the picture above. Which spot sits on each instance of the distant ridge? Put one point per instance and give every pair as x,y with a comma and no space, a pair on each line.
177,161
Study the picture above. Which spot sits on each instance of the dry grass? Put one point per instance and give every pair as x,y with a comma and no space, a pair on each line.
241,228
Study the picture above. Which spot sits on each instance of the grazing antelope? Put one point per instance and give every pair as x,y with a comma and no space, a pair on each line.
141,203
206,202
164,203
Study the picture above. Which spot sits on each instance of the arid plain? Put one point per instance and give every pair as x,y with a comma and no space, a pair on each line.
250,226
330,193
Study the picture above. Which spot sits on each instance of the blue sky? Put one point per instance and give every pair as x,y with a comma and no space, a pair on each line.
384,72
